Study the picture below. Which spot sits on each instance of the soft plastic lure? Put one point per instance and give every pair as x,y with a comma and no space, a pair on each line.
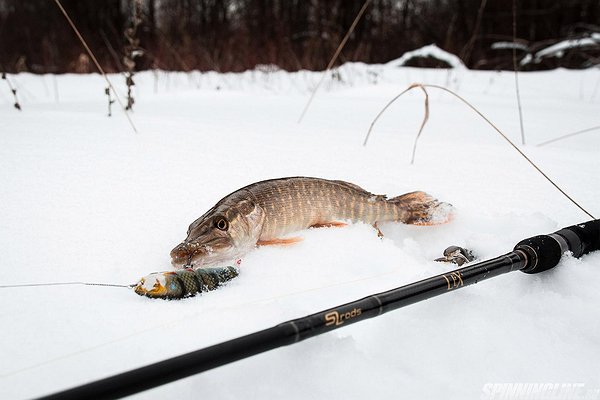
183,283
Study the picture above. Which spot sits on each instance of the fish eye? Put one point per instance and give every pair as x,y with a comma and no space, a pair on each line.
221,224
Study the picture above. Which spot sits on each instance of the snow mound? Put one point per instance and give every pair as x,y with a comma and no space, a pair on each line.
428,51
558,50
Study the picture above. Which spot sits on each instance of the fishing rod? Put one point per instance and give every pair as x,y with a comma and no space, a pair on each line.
533,255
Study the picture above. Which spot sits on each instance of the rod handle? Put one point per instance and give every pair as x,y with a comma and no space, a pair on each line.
544,251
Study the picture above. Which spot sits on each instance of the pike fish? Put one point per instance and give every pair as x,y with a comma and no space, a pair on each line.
266,212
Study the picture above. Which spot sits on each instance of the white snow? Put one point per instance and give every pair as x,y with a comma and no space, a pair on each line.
526,60
428,51
508,45
82,198
558,49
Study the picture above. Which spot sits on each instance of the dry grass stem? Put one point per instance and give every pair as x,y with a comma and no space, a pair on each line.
516,69
334,58
89,51
424,87
568,135
425,119
414,85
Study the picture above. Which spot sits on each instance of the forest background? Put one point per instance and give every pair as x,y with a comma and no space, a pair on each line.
237,35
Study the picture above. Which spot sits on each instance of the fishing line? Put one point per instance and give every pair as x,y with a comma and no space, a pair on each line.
188,316
63,284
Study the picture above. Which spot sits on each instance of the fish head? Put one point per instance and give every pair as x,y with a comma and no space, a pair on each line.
224,233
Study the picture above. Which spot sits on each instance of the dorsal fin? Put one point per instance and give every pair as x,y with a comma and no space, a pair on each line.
374,197
350,185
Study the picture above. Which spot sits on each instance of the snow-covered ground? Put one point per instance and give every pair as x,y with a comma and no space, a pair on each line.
82,198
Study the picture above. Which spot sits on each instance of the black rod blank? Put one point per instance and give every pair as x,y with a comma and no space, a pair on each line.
531,255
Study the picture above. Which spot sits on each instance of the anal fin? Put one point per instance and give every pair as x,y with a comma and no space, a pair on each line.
379,233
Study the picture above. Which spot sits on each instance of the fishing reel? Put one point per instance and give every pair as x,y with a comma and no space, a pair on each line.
542,252
456,255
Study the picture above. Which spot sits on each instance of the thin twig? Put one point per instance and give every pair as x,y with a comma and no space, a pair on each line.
423,87
132,51
110,101
89,51
55,85
112,51
335,56
568,135
13,90
516,69
163,36
466,51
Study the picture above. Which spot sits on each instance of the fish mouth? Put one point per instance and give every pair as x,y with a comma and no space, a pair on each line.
183,256
189,254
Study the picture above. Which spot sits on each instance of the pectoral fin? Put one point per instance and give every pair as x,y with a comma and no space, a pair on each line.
279,241
334,224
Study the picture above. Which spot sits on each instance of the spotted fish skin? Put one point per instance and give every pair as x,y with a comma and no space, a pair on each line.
266,211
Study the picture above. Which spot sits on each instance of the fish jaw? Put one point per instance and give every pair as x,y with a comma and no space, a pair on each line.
185,256
206,247
183,253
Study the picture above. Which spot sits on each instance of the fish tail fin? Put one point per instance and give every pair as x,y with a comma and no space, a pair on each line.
420,208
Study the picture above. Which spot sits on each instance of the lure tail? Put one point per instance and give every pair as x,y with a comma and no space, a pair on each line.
184,283
420,208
